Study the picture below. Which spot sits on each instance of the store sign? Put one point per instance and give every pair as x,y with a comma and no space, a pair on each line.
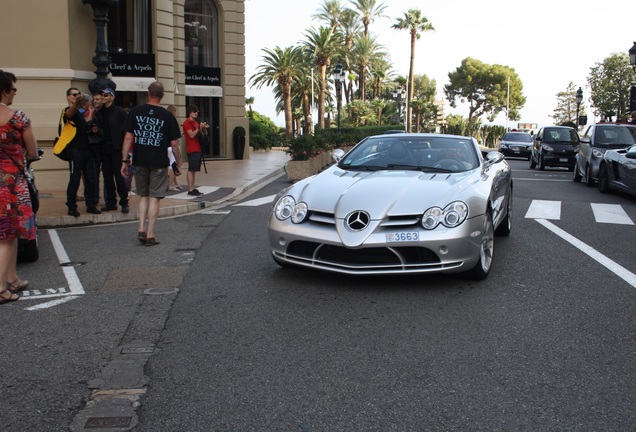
132,65
199,75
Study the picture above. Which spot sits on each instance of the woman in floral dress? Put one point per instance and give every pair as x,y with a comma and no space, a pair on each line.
17,143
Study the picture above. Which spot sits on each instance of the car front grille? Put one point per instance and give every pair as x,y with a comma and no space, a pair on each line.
365,260
390,221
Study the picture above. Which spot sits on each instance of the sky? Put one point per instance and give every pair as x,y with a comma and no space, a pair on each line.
548,43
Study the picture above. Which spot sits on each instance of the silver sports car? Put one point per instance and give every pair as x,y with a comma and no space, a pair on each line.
397,203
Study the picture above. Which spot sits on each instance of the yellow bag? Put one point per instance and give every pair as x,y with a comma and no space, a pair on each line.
60,147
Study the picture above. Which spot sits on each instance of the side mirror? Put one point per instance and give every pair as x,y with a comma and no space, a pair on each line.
337,154
585,140
493,157
631,154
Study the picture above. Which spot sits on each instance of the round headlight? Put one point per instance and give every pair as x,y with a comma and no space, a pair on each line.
431,218
284,207
299,213
454,214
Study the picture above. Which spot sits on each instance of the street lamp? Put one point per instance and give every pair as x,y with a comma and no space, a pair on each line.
338,79
101,59
579,99
398,94
632,90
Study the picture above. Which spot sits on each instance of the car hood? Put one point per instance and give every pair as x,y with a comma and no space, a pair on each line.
382,193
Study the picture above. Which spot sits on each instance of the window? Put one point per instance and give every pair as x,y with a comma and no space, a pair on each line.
128,28
201,33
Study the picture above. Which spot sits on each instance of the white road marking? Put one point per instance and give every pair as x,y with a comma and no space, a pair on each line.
75,287
610,213
257,202
203,189
540,209
612,266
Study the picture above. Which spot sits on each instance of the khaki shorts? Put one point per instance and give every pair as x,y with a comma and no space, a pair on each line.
152,182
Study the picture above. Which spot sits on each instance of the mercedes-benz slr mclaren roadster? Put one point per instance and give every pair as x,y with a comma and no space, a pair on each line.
397,204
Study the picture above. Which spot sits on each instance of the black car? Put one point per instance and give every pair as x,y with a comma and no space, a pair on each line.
617,171
555,146
516,144
599,138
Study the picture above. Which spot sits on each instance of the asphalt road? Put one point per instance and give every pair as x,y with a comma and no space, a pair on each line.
235,343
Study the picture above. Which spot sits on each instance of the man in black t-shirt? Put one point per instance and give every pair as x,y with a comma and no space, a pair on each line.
83,162
150,130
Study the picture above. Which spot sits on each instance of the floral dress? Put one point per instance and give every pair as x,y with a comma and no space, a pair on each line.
16,215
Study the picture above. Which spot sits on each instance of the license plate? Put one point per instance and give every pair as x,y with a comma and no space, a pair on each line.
402,236
563,160
516,150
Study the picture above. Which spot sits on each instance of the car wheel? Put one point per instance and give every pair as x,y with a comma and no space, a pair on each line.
505,226
603,179
541,163
577,175
589,181
486,249
533,164
29,252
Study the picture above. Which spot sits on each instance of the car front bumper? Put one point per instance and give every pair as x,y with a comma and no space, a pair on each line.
318,246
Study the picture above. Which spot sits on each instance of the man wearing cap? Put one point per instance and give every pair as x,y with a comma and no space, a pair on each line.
110,119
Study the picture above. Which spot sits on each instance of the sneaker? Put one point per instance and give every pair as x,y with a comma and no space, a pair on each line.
73,212
151,241
195,192
93,210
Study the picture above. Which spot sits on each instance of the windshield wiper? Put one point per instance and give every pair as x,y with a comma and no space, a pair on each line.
361,167
419,167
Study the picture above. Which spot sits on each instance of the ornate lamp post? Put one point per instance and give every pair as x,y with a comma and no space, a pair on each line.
579,99
398,95
101,59
632,90
338,79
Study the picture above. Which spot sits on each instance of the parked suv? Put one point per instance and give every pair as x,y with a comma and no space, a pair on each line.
599,138
516,144
555,146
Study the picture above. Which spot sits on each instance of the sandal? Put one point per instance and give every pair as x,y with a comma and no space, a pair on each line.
141,236
151,241
17,285
12,297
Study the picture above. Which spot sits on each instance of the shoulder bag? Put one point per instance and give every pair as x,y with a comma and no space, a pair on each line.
67,132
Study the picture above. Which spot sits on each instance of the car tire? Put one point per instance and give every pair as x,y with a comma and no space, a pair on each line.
29,252
577,175
603,179
481,270
541,163
533,164
589,181
505,226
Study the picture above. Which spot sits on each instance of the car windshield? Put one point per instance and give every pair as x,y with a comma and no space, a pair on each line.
424,153
561,136
615,136
517,137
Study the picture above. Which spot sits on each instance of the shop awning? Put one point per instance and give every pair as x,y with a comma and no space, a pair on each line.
205,91
135,84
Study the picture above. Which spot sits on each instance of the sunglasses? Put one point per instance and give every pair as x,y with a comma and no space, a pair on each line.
75,94
14,89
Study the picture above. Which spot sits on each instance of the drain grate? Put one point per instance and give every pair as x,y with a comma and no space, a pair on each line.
107,422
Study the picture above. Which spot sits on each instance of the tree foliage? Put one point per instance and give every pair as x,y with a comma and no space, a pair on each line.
610,83
565,111
485,88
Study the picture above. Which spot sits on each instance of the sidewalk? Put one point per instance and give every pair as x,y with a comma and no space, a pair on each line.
224,180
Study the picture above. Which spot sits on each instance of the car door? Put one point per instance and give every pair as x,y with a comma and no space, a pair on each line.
627,168
585,149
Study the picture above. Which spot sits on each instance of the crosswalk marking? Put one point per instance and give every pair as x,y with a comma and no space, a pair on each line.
257,202
540,209
603,213
611,213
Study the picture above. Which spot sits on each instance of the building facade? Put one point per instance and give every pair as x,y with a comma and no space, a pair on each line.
195,48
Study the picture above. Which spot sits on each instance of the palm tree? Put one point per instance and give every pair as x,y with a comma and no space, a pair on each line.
366,50
378,105
330,13
249,102
414,22
368,11
322,43
280,66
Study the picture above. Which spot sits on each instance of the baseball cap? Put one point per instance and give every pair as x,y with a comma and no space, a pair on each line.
109,91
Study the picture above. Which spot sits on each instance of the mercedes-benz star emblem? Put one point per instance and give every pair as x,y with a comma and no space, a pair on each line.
358,220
